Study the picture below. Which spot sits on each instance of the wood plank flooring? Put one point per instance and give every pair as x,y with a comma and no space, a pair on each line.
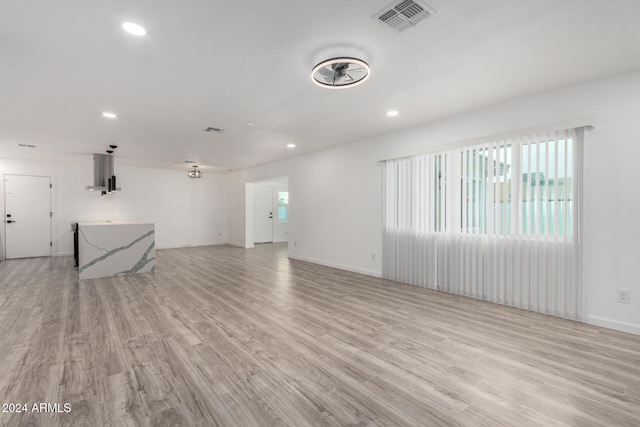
233,337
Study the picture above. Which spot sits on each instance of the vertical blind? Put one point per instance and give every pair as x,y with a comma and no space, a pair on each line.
498,221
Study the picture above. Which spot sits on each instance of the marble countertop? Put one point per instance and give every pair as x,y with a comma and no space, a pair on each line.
111,222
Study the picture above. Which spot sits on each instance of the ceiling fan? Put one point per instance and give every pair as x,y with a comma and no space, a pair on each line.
339,73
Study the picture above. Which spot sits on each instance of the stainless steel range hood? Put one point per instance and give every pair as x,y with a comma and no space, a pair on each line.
102,172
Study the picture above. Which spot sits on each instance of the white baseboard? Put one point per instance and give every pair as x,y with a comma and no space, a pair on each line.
238,245
338,266
63,254
614,324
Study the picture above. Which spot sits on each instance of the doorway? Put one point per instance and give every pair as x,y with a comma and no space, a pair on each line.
267,215
28,215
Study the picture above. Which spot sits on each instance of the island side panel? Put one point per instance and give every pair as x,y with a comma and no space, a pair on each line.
115,249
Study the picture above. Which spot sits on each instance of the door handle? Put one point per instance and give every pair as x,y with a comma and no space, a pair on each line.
10,221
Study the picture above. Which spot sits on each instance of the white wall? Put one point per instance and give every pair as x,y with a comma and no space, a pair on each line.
335,195
334,206
186,212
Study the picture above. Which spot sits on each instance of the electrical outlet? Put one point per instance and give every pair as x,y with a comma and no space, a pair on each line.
623,295
373,257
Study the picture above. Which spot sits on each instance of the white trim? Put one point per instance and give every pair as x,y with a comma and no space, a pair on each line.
240,245
587,122
338,266
614,324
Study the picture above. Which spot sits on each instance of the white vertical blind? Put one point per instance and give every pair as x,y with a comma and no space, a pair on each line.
498,221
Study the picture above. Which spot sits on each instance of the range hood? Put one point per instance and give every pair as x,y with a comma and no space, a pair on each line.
102,172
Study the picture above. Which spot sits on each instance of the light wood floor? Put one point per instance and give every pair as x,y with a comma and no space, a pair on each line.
227,336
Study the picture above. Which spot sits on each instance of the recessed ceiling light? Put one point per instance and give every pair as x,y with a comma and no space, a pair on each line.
291,145
109,115
250,124
134,29
392,113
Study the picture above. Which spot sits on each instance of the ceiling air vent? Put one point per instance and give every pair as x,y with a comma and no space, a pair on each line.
212,129
403,14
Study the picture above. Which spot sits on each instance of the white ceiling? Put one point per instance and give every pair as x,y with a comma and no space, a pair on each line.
227,63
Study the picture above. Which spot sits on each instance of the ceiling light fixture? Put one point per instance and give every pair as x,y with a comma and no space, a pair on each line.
134,29
291,145
392,113
195,173
104,177
340,73
109,115
111,179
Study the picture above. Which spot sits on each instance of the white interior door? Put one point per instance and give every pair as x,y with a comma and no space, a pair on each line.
27,216
263,214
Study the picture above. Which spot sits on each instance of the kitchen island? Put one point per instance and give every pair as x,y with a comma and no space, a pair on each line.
114,248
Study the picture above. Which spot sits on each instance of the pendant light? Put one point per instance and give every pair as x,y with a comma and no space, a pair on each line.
113,173
110,173
104,177
195,173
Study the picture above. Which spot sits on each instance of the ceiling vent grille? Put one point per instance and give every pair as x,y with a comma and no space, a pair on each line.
403,14
212,129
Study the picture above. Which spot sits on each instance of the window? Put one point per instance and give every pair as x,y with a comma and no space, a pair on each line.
440,192
283,206
496,221
486,195
547,187
518,187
